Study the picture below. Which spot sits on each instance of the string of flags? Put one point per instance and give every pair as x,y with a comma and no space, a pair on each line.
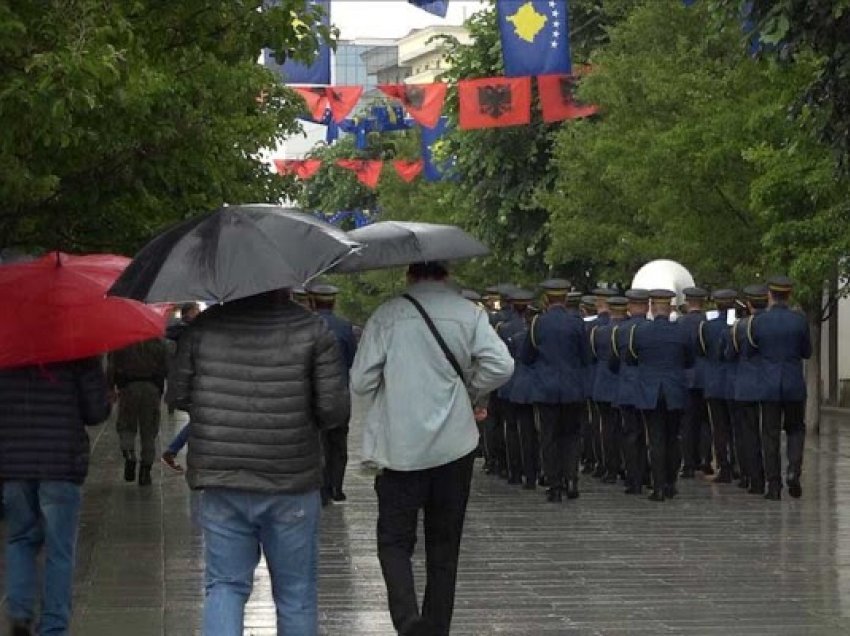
359,217
367,171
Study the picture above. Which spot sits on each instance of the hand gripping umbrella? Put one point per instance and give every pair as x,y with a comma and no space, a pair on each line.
55,309
232,253
397,243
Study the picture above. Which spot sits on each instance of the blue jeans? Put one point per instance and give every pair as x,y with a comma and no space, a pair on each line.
179,441
237,525
41,513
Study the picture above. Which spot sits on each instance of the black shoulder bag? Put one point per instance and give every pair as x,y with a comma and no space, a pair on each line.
448,352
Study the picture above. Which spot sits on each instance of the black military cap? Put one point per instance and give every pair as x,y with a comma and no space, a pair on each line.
588,301
517,295
491,292
780,284
724,295
574,298
618,303
299,292
604,292
555,287
322,290
637,295
695,292
471,294
661,294
755,292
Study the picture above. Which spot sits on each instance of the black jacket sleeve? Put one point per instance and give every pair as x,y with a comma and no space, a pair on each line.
92,392
331,400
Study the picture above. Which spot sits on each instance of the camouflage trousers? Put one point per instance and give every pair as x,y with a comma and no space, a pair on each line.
139,409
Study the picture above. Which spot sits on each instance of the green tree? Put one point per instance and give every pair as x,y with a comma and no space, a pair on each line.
121,117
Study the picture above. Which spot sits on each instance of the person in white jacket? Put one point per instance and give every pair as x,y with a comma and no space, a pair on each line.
420,431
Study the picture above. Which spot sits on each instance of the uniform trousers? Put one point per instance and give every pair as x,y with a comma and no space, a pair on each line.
739,442
588,448
776,416
496,433
721,430
528,440
696,433
139,414
560,427
513,445
596,435
662,425
634,445
610,432
750,415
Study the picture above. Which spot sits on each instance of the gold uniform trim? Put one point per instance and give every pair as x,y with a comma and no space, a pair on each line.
593,340
701,332
750,333
614,349
632,341
531,331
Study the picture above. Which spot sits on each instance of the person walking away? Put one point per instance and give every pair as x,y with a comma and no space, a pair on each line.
260,378
423,360
558,351
335,440
782,338
494,423
188,312
45,451
136,375
523,385
696,432
661,351
591,458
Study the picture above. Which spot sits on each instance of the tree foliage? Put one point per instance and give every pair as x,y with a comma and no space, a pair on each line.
120,117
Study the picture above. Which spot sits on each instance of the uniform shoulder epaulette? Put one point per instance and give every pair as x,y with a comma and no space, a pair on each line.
735,344
750,333
593,339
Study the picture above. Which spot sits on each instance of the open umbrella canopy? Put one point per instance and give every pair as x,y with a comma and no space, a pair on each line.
397,243
234,252
55,309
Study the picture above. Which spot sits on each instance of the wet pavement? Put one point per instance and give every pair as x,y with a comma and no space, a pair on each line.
713,561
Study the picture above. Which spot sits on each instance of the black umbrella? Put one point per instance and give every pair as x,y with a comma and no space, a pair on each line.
234,252
396,243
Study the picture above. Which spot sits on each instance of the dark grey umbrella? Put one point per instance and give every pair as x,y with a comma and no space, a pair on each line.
236,251
396,243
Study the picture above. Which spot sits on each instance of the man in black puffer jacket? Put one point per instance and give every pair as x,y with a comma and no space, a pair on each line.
44,459
260,378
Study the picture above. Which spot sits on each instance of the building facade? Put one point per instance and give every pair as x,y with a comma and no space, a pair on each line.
423,51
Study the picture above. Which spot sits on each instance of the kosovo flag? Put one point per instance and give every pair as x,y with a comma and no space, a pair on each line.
437,7
319,72
535,37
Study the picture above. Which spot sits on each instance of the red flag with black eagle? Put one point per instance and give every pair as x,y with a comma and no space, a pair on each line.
424,102
557,100
301,168
408,170
368,172
340,99
494,102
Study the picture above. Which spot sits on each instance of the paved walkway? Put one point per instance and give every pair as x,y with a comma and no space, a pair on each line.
713,561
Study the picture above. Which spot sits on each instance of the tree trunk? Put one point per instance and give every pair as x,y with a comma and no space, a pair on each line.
832,345
813,374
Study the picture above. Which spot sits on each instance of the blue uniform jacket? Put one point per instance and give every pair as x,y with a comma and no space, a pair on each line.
558,352
590,374
710,349
344,333
523,380
627,388
661,351
749,376
690,322
512,326
605,380
782,338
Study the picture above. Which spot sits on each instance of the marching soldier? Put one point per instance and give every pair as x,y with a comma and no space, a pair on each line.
633,431
523,384
781,336
661,352
715,368
494,425
605,384
558,352
300,296
591,453
696,434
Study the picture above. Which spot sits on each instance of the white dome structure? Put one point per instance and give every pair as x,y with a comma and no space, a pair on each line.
664,274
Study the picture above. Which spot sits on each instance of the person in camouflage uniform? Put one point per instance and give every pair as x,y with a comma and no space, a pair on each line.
137,376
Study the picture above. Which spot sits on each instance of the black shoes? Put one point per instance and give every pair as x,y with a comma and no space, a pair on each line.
338,496
599,473
572,490
657,495
706,469
794,488
609,478
553,495
774,492
129,466
744,483
21,628
687,473
587,469
724,476
670,491
514,480
633,490
756,488
145,475
530,485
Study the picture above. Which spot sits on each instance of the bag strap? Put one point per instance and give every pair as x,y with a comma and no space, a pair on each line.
448,353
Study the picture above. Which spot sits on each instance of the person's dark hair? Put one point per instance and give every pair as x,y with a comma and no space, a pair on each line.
432,270
185,308
323,304
780,296
758,304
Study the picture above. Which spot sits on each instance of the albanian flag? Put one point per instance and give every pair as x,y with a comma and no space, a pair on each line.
557,100
367,172
408,170
301,168
424,102
341,100
494,102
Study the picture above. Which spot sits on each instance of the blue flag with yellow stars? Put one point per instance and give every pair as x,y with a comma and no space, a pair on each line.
535,37
437,7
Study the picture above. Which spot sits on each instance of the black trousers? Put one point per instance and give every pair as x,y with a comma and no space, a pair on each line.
596,434
496,433
442,493
750,413
513,447
528,440
662,425
696,432
610,433
634,445
560,429
739,442
336,457
721,431
775,417
588,435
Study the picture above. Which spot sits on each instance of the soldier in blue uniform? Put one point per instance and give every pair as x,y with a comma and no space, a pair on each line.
300,296
749,387
513,324
558,352
523,386
588,308
661,352
696,433
781,336
633,431
605,385
335,441
499,311
715,369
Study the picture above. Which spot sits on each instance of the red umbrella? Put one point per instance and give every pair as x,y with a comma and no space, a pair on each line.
55,308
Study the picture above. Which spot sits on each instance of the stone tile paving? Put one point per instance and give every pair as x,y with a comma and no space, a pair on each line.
713,561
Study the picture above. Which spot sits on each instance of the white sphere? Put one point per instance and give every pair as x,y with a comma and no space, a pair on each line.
664,274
